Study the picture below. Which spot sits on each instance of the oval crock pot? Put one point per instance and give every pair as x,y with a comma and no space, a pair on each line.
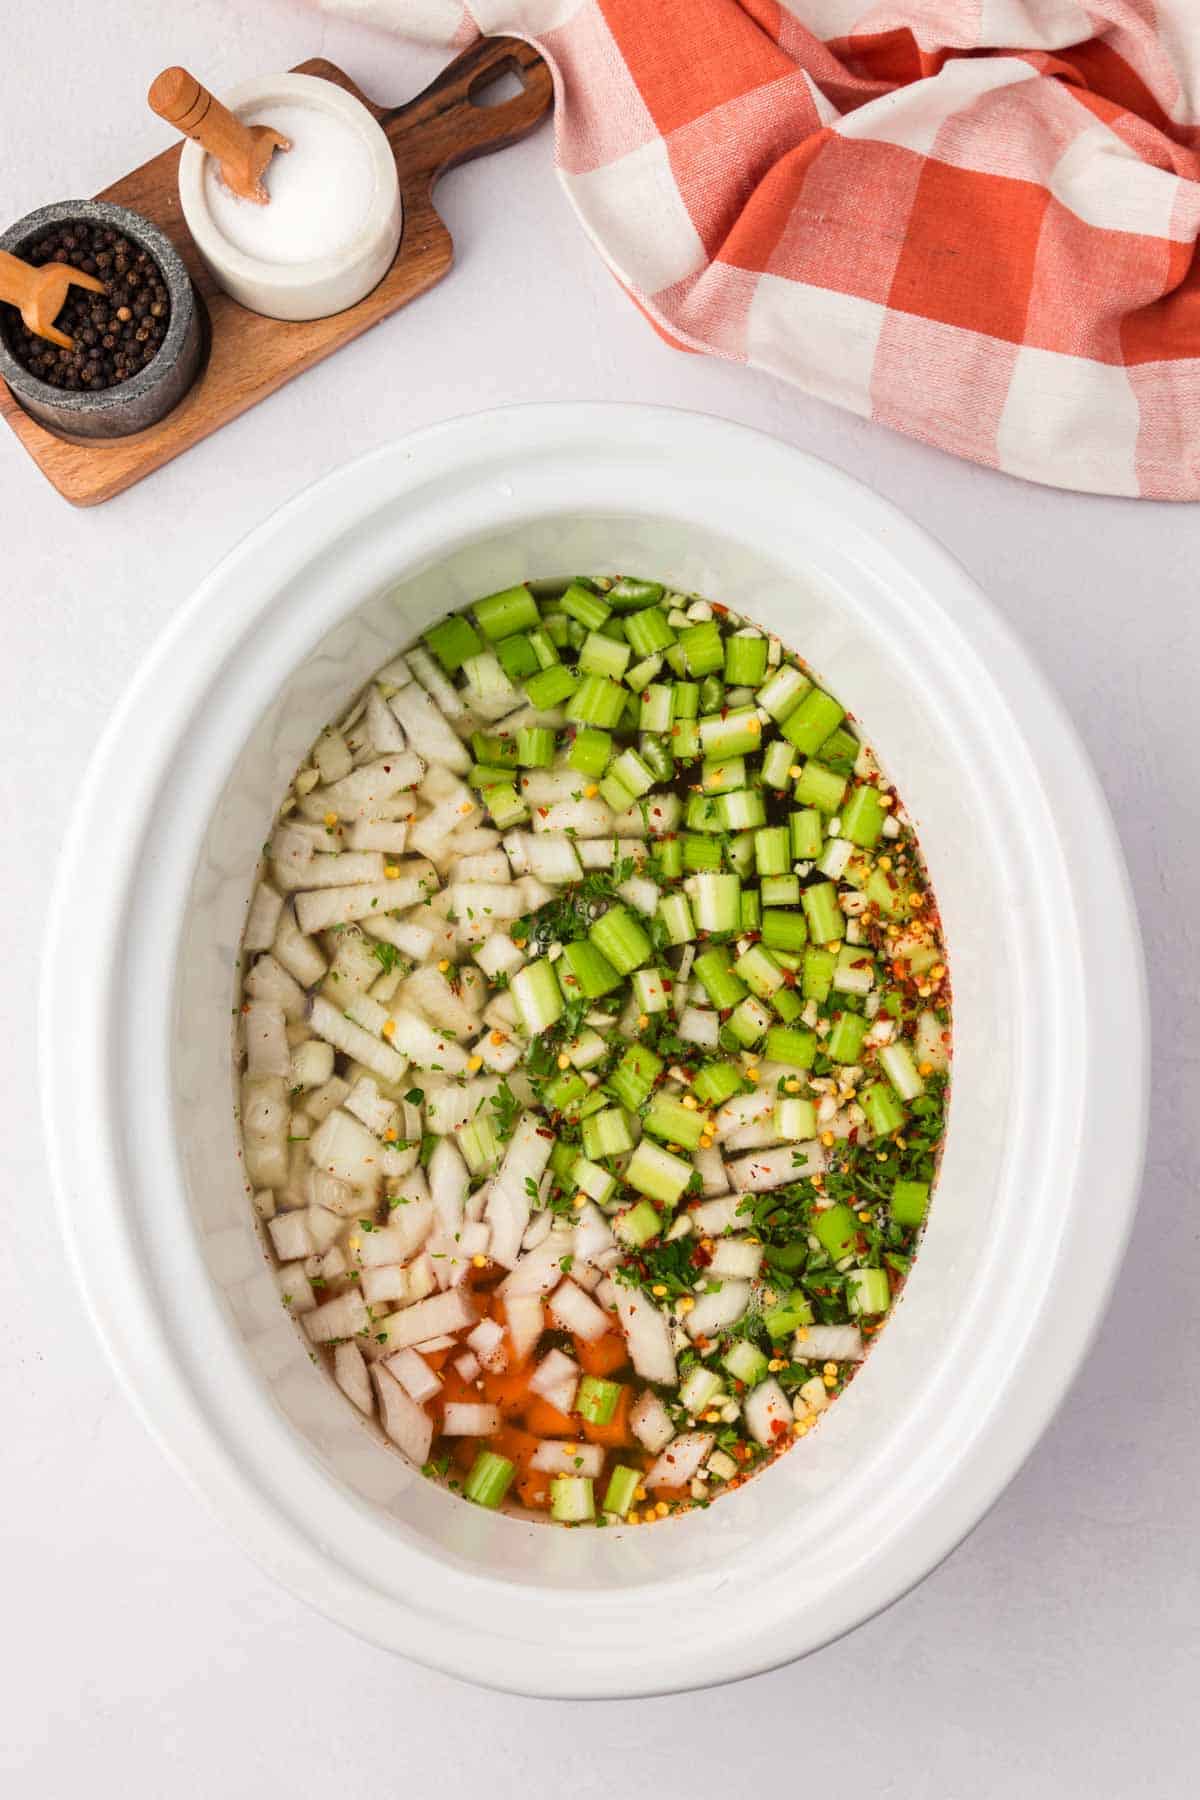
1046,1125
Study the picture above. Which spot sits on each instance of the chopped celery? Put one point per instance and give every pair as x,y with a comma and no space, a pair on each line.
910,1202
897,1064
619,936
601,656
703,651
792,1314
787,1004
817,977
772,850
590,752
518,658
535,747
634,1076
796,1119
673,1122
657,1173
543,646
489,1479
759,970
571,1499
550,687
735,732
505,805
700,1389
453,641
783,691
882,1107
748,1021
819,787
867,1291
745,660
596,701
783,930
606,1133
716,901
590,1178
714,971
637,1225
614,791
676,915
588,610
639,677
649,632
499,615
687,699
825,918
585,971
863,816
744,810
597,1400
808,834
538,997
836,1230
717,1082
479,776
700,853
777,764
787,1045
816,716
845,1041
564,1091
745,1362
632,771
722,774
668,858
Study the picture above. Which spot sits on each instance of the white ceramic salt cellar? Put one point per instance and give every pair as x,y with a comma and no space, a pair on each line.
323,247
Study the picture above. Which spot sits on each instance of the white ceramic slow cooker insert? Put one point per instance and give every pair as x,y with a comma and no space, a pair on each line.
1046,1129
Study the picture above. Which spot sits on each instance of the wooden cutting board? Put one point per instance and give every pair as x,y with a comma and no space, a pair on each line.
249,356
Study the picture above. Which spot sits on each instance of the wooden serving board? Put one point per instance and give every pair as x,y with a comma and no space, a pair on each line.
250,356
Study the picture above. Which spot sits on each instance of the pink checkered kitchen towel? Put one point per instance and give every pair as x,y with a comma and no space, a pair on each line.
973,220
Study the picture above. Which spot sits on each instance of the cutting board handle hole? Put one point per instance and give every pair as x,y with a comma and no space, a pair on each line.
495,87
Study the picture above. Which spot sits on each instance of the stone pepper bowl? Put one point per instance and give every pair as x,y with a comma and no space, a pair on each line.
147,396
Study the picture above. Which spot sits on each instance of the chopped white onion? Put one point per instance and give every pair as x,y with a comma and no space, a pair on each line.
678,1462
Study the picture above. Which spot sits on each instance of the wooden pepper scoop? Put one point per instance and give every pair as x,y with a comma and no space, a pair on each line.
242,151
40,293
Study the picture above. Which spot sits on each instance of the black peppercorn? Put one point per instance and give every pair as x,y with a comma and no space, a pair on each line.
116,333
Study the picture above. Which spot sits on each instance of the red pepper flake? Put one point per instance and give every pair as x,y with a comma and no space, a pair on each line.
543,812
778,1429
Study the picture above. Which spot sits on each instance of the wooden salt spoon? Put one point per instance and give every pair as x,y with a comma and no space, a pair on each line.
41,293
242,151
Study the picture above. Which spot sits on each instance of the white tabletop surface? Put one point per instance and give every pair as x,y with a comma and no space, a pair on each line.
1055,1654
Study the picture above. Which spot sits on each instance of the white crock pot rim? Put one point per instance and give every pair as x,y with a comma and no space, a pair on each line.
75,1025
